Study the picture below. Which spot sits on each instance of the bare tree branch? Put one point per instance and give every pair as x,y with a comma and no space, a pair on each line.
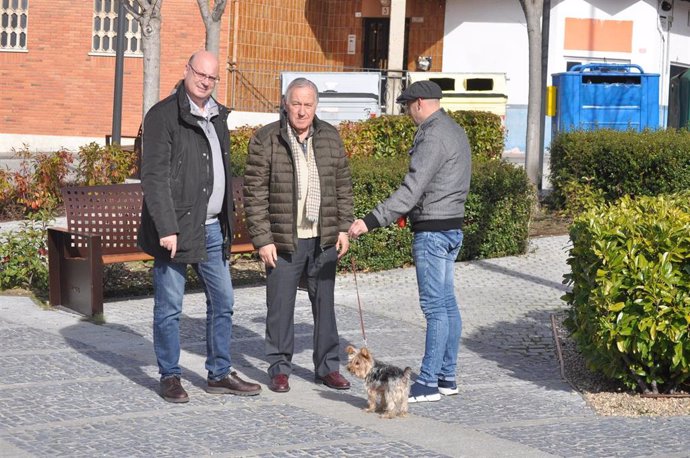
219,9
212,23
129,8
205,14
214,16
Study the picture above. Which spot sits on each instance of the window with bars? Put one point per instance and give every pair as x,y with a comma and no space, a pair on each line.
105,29
14,18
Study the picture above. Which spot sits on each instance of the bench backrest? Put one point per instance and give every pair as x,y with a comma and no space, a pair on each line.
114,213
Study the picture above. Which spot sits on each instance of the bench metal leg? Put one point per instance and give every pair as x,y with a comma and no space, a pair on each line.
75,283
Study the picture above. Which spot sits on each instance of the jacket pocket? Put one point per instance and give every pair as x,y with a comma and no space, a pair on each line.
185,226
176,167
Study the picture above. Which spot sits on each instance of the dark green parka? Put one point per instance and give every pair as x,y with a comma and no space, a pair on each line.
270,187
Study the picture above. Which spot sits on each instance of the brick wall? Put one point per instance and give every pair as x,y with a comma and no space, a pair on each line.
426,37
58,88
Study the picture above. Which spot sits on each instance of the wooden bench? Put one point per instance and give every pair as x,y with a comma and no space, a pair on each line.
102,226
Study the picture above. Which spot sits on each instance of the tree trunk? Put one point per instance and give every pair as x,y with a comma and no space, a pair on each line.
533,10
212,22
149,18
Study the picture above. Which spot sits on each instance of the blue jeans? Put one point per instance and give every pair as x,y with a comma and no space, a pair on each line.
434,257
169,280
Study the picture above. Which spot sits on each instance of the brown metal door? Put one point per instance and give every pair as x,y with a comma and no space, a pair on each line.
376,31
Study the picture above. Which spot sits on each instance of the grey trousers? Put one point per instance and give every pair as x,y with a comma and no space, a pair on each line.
281,290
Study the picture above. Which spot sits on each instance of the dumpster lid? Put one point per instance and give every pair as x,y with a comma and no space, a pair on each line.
606,68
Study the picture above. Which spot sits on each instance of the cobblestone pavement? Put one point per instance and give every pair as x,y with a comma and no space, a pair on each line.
69,387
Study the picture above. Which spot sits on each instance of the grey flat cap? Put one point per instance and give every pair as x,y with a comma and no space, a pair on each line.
420,90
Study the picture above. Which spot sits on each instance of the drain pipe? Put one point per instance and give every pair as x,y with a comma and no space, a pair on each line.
667,17
232,65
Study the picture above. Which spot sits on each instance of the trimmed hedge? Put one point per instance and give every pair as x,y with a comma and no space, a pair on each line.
497,213
389,136
617,163
630,297
373,180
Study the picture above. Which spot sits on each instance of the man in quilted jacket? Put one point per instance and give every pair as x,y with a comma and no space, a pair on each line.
298,203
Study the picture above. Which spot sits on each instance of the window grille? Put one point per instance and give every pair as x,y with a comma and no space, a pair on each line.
14,19
105,29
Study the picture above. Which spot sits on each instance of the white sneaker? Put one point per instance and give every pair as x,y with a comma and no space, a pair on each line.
447,388
423,393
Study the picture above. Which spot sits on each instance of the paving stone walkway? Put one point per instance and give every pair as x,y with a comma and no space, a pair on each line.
72,388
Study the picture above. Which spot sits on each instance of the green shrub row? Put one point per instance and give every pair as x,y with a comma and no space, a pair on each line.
630,297
616,163
390,136
497,212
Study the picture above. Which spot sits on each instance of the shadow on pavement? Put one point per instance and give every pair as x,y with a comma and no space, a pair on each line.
522,349
521,275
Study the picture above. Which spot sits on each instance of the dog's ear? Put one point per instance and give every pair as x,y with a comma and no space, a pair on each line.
365,352
350,350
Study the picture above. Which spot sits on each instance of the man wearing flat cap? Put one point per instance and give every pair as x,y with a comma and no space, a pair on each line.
432,196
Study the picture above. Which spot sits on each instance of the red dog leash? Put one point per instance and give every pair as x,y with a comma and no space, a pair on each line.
359,302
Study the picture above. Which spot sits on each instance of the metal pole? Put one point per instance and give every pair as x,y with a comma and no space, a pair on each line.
119,64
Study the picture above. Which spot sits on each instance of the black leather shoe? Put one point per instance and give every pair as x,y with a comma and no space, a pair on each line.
334,380
279,384
233,384
172,391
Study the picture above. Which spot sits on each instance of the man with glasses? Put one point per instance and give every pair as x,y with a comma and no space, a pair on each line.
432,196
186,219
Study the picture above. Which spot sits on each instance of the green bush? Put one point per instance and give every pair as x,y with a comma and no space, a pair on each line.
388,136
484,131
239,144
391,135
630,297
497,212
24,256
619,163
373,180
101,165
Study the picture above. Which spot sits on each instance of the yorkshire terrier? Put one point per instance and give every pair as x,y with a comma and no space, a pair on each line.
388,387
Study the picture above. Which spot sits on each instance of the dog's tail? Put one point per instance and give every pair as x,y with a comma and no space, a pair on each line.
407,373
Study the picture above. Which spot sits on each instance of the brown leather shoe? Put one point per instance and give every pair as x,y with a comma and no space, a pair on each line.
233,384
334,380
279,384
172,391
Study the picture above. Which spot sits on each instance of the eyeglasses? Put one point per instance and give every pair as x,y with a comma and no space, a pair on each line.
203,76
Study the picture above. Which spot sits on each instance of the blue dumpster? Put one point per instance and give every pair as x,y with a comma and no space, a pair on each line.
606,96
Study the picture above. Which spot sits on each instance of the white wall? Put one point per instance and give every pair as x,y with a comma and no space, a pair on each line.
679,44
488,36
